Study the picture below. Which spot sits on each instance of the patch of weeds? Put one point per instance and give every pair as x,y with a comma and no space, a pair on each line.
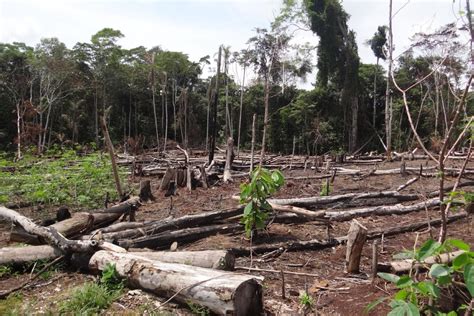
197,309
306,301
91,298
111,279
88,299
58,178
12,305
5,271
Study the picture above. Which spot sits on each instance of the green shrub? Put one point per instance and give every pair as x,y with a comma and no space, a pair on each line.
255,193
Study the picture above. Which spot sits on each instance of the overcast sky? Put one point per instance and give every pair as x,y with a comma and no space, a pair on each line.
198,27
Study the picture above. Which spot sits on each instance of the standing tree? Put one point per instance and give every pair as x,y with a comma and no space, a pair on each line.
338,61
377,44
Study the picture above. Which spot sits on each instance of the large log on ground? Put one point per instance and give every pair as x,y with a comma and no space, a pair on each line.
186,221
83,222
323,200
211,259
49,234
381,210
165,239
223,293
20,255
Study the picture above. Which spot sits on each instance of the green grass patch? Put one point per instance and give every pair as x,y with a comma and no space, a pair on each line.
58,178
14,305
89,299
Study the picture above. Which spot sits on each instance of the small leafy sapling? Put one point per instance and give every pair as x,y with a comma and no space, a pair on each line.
254,194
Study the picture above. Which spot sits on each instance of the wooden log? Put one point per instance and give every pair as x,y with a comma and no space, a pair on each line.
356,238
323,200
380,210
294,245
170,175
401,266
49,234
156,227
204,180
228,160
21,255
223,293
211,259
164,240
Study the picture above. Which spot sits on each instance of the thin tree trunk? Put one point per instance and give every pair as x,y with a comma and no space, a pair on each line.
43,143
153,100
96,115
166,120
388,103
354,129
240,113
209,95
18,130
265,117
214,110
375,95
254,122
173,100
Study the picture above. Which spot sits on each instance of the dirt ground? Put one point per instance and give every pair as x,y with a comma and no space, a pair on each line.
343,294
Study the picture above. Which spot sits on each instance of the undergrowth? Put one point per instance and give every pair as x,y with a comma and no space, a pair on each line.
58,177
91,298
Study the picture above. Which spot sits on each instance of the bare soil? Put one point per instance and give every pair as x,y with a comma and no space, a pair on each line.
343,294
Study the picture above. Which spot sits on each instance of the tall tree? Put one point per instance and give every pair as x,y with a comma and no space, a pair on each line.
377,44
338,60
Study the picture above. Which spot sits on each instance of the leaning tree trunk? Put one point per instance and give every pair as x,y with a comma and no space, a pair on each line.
222,292
388,100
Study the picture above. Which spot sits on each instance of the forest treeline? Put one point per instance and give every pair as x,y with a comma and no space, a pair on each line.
52,94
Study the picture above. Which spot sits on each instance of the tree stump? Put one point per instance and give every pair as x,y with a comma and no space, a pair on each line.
228,160
145,191
170,175
355,243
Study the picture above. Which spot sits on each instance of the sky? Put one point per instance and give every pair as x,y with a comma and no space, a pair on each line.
198,27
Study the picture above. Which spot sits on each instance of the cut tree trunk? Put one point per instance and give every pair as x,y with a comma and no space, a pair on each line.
223,293
228,160
20,255
169,176
356,238
145,191
211,259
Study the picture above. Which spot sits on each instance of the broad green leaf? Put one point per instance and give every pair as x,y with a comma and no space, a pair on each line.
427,288
404,281
402,308
401,295
248,209
460,261
444,280
438,270
469,278
461,245
429,248
389,277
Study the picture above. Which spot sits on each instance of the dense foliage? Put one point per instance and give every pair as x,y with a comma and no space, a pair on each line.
52,94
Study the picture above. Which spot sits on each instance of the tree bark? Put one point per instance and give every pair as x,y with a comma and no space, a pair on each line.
254,121
210,259
112,157
222,292
356,238
214,110
21,255
228,160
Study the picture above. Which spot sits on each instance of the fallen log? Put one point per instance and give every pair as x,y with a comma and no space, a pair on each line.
380,210
401,266
211,259
49,234
323,200
156,227
222,292
164,240
20,255
82,222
